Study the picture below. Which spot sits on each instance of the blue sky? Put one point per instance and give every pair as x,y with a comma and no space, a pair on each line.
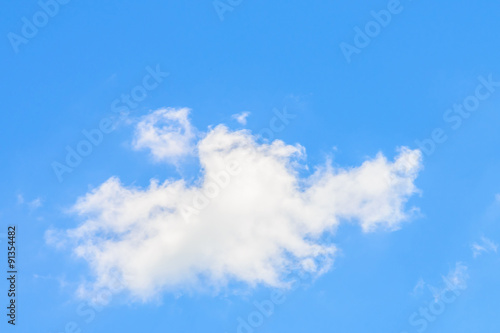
400,89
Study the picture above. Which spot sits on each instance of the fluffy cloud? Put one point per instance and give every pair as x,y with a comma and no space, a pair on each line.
251,217
166,133
456,279
34,204
485,245
241,117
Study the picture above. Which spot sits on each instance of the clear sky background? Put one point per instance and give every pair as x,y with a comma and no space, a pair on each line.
258,57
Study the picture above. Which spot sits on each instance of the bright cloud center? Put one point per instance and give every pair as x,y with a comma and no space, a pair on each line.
251,218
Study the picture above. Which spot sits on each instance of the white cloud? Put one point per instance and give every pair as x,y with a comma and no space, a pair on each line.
456,279
241,117
253,224
167,133
55,238
485,245
32,205
37,203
